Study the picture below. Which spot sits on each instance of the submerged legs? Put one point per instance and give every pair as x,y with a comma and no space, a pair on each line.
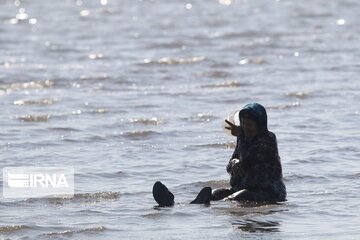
165,198
221,193
246,195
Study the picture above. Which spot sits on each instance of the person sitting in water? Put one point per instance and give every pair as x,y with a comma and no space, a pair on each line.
255,167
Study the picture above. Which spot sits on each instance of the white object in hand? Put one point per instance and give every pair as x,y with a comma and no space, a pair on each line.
236,169
232,117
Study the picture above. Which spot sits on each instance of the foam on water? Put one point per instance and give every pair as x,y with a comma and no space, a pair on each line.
227,84
12,228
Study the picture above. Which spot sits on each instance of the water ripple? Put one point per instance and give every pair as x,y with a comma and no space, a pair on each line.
42,101
300,95
147,121
34,118
175,61
140,135
286,106
223,145
13,228
79,197
27,85
216,74
71,232
201,117
249,225
227,84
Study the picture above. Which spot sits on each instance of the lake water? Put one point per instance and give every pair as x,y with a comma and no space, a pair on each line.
129,92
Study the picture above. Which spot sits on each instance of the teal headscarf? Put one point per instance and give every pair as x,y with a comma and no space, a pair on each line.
256,112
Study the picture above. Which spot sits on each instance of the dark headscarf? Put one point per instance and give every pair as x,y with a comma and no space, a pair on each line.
256,112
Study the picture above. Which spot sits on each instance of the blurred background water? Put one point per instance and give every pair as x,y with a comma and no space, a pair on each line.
129,92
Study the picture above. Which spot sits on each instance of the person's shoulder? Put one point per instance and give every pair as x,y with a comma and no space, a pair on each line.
272,135
269,138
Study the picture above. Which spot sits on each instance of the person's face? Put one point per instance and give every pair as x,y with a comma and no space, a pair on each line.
249,126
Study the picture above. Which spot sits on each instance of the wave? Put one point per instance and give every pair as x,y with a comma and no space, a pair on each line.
47,117
175,61
43,101
145,106
27,85
13,228
147,121
97,195
354,176
99,110
201,117
34,118
97,175
216,74
294,177
249,225
243,34
226,145
167,45
160,214
79,197
212,183
227,84
75,231
254,61
91,111
140,135
300,95
60,200
287,106
64,129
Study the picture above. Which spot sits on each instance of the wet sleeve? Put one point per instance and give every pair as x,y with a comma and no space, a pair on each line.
236,153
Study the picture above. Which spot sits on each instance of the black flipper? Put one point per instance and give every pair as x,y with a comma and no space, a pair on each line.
162,195
203,197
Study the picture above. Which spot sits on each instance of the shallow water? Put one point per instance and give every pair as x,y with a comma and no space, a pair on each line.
130,92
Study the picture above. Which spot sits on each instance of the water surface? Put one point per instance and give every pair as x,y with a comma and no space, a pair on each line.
130,92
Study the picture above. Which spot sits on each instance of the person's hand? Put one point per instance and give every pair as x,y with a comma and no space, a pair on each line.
235,130
234,168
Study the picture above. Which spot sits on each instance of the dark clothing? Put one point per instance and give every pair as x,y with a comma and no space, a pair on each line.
259,160
260,163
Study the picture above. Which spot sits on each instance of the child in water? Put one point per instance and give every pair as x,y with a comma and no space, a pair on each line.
255,167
